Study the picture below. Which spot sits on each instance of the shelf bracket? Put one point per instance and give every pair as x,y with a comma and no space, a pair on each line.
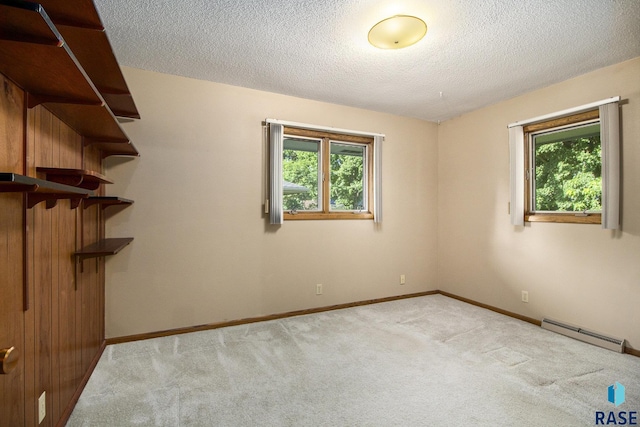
75,202
51,199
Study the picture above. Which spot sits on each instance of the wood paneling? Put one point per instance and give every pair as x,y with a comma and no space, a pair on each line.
42,262
60,335
12,409
69,377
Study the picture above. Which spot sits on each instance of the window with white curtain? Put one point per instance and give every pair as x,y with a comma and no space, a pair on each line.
320,174
565,167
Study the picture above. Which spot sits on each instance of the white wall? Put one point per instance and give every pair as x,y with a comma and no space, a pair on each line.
203,250
575,273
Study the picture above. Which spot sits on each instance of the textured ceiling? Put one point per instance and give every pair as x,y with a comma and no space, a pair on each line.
475,53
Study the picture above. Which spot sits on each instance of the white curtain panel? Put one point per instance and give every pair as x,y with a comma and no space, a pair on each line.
516,163
377,178
610,140
275,173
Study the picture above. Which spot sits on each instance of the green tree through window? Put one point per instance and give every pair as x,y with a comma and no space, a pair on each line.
568,170
326,175
347,177
300,166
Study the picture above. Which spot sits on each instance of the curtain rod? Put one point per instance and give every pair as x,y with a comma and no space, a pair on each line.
322,128
566,112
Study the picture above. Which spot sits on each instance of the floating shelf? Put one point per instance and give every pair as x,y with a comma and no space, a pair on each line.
39,190
35,56
81,27
113,148
103,248
75,177
106,201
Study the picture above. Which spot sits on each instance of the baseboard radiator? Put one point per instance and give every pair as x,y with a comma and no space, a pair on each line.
590,337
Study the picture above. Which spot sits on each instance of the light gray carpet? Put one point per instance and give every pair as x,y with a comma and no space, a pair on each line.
428,361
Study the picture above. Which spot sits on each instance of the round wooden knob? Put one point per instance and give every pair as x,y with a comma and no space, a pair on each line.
8,360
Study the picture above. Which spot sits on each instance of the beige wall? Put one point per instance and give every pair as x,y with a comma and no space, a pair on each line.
580,274
203,251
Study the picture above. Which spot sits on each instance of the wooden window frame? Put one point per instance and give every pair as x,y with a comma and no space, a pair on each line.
558,217
324,211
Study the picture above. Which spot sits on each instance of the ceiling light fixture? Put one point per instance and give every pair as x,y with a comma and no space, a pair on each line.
397,32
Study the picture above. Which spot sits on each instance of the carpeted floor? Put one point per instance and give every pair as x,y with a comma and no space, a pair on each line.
428,361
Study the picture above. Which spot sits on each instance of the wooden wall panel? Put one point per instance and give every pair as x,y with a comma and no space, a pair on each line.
68,354
90,289
93,276
30,391
61,332
12,408
42,261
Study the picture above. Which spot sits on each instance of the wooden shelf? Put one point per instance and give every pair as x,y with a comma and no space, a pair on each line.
113,148
36,57
75,177
39,190
82,29
106,201
103,248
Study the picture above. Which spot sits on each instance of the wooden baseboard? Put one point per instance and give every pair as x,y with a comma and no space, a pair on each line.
492,308
178,331
627,350
64,417
632,351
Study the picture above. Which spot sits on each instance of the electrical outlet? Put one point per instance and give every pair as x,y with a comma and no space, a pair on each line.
525,296
42,406
402,279
319,289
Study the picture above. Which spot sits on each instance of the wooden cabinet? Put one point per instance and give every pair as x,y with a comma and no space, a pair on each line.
60,92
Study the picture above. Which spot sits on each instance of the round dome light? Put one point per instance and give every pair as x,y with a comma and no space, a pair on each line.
397,32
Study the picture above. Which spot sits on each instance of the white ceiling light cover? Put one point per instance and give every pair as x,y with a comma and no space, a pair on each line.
397,32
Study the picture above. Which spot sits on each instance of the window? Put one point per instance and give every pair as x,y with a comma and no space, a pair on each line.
564,169
326,175
323,173
565,166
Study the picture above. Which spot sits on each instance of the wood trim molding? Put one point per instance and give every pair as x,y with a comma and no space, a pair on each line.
177,331
632,351
492,308
566,218
331,135
562,121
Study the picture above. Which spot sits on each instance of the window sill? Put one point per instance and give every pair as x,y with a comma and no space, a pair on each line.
567,218
324,216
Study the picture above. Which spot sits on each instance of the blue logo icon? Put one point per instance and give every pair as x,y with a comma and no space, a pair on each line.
616,394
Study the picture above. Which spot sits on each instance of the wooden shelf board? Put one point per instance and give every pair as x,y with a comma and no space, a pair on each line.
45,67
103,247
79,13
76,177
103,69
40,190
110,148
91,121
106,201
41,186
